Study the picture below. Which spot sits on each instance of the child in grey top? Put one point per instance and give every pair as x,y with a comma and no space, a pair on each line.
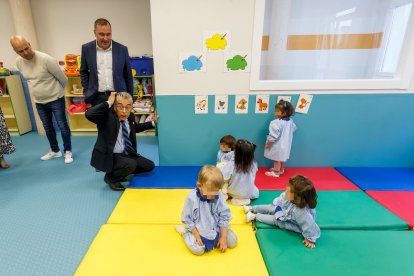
240,174
206,215
293,210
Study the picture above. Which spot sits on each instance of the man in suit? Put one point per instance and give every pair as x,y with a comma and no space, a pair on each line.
105,65
115,150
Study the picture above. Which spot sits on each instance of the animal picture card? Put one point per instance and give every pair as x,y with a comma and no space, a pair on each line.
236,62
216,41
221,104
192,62
201,104
304,103
285,98
241,105
262,104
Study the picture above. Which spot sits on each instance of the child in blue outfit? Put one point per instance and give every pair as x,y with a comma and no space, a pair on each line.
279,140
206,215
240,174
293,210
226,152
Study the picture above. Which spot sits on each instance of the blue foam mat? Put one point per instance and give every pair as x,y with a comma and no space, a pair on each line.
380,179
167,177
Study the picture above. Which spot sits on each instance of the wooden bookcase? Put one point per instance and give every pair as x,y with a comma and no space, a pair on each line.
13,104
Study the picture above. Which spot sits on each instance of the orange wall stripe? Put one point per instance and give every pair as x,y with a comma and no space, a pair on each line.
334,41
265,43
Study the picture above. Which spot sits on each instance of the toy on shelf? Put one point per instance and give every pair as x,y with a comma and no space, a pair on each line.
78,107
143,105
72,65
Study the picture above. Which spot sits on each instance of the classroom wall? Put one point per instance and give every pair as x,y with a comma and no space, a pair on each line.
339,130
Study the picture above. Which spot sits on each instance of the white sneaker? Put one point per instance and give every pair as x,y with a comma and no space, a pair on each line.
51,154
181,229
240,201
272,173
250,217
247,209
68,157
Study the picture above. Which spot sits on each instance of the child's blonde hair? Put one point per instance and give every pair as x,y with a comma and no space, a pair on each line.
211,176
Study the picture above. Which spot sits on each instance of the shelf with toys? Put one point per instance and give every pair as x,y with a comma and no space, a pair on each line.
144,100
13,105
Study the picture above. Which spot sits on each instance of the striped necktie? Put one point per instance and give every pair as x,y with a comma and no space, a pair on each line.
127,142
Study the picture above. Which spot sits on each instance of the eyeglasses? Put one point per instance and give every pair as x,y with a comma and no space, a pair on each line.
120,107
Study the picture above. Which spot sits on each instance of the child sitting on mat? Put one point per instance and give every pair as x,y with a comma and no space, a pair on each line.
226,152
240,174
279,140
293,210
206,215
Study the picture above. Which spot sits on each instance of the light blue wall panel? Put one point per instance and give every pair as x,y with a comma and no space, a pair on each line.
339,130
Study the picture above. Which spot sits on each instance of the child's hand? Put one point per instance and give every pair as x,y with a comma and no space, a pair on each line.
308,244
197,237
268,144
222,244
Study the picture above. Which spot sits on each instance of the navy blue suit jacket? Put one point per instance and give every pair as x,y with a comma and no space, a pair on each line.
121,70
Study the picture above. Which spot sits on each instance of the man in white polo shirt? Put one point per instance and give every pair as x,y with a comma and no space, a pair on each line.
46,84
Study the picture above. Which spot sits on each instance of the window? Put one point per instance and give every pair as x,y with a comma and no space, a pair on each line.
332,45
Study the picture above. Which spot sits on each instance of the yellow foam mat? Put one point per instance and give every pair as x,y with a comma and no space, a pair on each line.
145,249
159,206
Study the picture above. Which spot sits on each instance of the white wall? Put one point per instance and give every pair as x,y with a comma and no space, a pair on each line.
63,26
178,26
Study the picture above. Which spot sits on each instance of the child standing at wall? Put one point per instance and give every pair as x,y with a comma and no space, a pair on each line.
279,140
240,174
226,152
293,210
206,215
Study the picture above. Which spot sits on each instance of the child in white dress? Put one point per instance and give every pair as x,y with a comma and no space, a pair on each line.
206,215
226,151
240,174
293,210
279,139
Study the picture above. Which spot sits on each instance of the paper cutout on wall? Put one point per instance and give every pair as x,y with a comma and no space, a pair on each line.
241,105
221,104
303,104
285,98
201,104
216,41
237,62
262,104
192,62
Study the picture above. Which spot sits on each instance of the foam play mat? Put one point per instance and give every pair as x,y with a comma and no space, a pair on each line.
380,179
344,210
169,177
158,206
138,249
323,178
338,252
400,203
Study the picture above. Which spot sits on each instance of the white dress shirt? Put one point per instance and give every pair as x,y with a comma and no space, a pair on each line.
104,67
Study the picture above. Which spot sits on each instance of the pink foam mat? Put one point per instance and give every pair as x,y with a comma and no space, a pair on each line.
324,179
400,203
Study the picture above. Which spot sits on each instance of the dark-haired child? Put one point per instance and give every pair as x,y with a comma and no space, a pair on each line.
293,210
226,152
279,139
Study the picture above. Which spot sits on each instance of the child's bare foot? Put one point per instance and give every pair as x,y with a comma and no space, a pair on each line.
4,164
309,244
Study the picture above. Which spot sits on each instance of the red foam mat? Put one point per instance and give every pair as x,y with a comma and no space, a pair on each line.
400,203
324,179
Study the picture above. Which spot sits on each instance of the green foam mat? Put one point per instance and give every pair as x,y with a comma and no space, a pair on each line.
344,210
338,252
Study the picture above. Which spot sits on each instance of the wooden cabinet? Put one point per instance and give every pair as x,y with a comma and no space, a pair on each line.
143,93
13,105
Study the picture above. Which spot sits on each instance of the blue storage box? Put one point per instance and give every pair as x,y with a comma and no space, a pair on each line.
143,65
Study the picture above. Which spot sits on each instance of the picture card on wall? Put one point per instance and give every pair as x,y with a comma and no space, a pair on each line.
236,62
241,105
262,104
285,98
216,41
221,104
201,104
303,104
192,62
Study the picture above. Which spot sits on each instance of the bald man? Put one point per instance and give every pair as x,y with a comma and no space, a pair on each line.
46,84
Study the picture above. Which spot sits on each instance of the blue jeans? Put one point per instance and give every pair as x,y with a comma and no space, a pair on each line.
57,108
